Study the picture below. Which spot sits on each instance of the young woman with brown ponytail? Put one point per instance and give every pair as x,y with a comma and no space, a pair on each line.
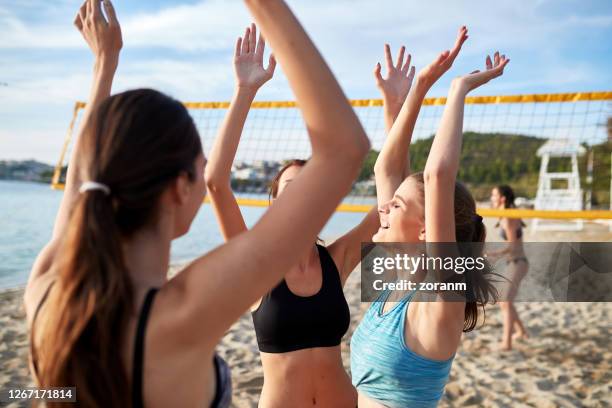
103,317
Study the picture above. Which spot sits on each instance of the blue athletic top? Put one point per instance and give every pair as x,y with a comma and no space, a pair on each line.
385,369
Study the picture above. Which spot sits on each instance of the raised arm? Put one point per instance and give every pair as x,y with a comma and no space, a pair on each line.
103,35
396,86
393,163
445,317
443,161
250,75
346,250
218,287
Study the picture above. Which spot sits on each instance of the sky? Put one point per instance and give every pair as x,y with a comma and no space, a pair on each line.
184,48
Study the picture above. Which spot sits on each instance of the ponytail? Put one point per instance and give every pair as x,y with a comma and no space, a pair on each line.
480,289
80,339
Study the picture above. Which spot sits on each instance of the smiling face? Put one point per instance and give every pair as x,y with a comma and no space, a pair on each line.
497,200
402,219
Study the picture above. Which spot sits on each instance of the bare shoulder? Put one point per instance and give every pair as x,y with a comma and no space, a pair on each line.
41,277
178,317
171,313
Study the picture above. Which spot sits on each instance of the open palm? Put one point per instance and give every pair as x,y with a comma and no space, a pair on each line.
248,60
396,86
494,68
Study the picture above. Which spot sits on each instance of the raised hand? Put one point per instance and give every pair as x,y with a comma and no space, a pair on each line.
103,35
248,61
494,68
431,73
399,77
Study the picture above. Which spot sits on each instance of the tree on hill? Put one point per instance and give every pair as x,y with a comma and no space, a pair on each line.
367,169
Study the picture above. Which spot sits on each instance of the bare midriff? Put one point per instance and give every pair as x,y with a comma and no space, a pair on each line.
313,377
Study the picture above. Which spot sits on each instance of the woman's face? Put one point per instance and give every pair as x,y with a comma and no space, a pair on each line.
402,219
497,200
196,192
288,175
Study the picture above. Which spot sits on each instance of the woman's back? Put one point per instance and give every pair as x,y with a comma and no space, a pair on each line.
146,348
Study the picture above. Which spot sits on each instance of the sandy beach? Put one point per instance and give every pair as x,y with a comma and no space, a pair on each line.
567,361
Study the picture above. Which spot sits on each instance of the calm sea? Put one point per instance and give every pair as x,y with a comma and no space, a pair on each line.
27,213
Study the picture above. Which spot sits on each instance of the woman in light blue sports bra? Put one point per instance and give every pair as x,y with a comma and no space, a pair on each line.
385,369
402,351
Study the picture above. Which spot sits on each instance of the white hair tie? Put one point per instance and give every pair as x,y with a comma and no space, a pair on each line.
92,185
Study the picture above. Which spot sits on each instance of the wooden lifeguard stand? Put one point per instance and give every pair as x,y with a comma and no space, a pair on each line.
567,198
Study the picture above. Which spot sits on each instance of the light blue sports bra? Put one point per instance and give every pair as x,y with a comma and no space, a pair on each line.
385,369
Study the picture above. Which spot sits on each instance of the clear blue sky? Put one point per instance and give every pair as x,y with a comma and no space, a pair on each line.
184,48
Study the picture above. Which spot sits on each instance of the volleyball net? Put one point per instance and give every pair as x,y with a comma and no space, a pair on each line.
554,150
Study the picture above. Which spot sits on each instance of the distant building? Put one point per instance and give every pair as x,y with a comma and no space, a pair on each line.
27,170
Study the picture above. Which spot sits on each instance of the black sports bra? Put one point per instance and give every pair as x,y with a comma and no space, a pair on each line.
519,233
287,322
223,391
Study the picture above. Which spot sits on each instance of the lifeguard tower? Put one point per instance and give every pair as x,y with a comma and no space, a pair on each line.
559,191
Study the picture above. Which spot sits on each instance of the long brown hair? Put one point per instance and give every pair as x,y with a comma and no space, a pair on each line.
137,143
471,231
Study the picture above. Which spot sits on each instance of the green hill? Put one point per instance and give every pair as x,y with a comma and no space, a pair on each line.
489,159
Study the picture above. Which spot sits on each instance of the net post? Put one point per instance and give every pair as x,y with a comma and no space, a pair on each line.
57,173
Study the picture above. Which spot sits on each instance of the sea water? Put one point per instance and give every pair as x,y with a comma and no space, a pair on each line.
28,210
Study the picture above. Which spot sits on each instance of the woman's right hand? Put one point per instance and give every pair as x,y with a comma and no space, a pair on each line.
248,61
103,37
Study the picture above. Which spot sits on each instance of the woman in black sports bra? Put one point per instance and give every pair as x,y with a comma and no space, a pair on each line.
511,230
102,315
300,323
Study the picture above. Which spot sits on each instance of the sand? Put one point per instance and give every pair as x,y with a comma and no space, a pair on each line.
567,361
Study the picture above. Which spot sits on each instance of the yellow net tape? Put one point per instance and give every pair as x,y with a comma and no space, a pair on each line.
470,100
484,212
